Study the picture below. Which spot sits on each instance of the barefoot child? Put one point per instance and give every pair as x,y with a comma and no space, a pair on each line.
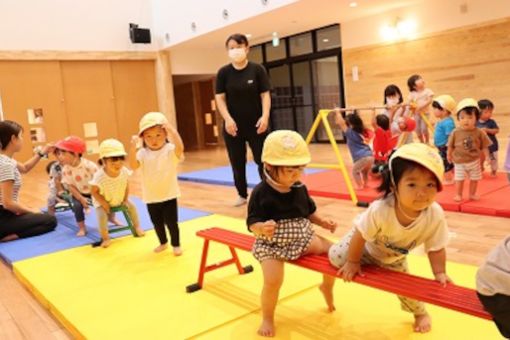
443,107
280,214
76,175
109,187
404,218
157,159
465,145
491,128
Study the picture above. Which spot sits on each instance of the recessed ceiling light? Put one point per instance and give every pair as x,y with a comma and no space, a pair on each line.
325,40
353,4
248,35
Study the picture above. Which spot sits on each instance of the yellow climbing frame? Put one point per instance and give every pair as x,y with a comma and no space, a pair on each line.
323,117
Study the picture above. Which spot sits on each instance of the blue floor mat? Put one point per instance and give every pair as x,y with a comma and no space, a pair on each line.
60,239
224,176
64,236
145,221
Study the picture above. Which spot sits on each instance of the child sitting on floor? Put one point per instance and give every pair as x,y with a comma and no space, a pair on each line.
280,214
109,187
406,217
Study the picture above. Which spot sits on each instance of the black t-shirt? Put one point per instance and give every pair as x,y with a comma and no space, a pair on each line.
266,203
242,90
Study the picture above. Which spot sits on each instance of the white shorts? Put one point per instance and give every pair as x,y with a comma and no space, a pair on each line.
472,169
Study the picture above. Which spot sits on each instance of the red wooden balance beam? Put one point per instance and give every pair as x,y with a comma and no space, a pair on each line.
453,297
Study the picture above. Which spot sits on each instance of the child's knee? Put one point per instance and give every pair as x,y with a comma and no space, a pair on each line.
338,254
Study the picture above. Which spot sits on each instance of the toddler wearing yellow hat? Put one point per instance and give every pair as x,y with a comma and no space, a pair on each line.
404,218
157,159
280,214
109,187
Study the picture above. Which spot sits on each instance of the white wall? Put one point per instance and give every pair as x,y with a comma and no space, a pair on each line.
175,17
76,25
431,16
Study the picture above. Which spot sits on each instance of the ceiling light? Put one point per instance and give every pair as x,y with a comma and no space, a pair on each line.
248,35
325,40
353,4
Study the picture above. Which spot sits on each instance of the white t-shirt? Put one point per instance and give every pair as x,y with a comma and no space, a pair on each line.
79,175
113,189
388,241
159,173
493,277
9,172
421,98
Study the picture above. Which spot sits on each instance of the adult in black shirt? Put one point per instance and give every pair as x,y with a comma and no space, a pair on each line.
243,100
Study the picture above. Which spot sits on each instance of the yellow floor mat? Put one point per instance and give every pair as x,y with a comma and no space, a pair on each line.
129,292
363,313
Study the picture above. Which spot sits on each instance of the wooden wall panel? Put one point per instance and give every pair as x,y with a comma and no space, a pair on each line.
470,62
134,87
33,84
89,97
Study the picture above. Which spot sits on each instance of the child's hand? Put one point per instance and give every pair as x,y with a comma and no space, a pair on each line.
349,270
47,148
267,229
85,205
443,279
449,158
330,225
135,141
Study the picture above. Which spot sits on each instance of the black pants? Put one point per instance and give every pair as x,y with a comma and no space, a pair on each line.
498,306
165,213
26,225
236,148
78,210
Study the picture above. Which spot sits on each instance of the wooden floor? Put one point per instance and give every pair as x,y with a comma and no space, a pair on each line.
21,317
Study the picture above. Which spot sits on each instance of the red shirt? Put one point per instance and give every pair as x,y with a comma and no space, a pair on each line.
383,144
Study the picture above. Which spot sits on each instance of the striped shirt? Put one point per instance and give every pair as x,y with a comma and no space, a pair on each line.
113,189
9,172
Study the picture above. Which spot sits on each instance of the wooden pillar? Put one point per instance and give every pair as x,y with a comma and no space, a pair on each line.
164,86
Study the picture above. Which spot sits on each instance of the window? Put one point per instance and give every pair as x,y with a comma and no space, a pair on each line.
275,52
256,54
328,38
301,44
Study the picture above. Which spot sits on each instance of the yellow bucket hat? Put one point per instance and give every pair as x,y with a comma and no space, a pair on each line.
424,155
447,102
466,102
285,148
111,148
151,119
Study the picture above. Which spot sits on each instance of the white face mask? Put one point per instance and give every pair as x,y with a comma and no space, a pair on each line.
237,54
391,101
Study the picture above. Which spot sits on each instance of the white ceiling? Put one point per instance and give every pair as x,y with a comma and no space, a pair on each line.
297,17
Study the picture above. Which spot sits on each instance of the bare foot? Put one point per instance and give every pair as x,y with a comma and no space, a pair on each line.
177,251
10,237
81,232
328,296
139,232
266,328
160,248
422,323
457,198
474,197
106,243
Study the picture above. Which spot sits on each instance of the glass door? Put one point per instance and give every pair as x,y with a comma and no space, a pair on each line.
327,90
282,116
